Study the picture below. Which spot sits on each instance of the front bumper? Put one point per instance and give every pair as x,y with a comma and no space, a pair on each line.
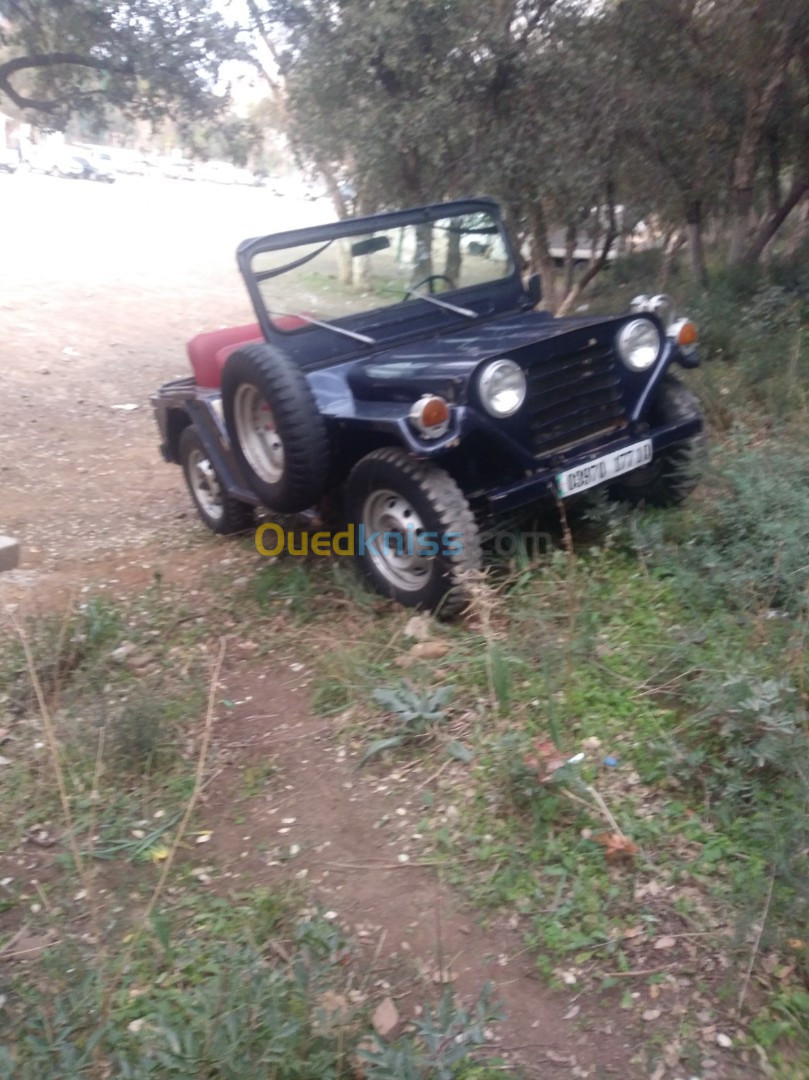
542,483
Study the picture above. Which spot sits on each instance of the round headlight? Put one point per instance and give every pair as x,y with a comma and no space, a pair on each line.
502,387
638,344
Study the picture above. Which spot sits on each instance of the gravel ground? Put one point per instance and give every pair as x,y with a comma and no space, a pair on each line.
100,288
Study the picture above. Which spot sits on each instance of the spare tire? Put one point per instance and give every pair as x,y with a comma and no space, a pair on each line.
278,436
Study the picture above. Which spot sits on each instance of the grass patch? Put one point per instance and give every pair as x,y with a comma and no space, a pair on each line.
250,986
111,971
635,711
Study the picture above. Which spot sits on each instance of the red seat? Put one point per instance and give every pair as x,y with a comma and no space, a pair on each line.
205,350
208,352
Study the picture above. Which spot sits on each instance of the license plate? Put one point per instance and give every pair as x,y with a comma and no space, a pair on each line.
601,469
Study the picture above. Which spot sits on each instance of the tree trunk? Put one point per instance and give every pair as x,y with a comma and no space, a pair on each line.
774,172
277,87
332,186
674,242
696,251
570,256
540,255
345,263
423,257
800,233
773,223
742,204
760,101
598,264
452,268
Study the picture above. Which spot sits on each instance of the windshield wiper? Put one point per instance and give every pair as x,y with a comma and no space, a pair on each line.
329,326
274,271
443,304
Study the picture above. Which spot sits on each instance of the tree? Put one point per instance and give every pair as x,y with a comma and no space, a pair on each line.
720,96
693,112
420,100
149,57
230,139
379,89
678,112
770,40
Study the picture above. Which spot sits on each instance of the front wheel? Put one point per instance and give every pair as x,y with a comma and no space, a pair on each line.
416,538
674,473
220,511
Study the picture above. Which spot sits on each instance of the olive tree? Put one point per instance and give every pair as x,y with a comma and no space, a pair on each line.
150,57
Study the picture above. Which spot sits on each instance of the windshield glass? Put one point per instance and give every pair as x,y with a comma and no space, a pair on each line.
351,275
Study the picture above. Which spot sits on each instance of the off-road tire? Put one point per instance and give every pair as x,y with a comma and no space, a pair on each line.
298,423
674,473
441,507
232,515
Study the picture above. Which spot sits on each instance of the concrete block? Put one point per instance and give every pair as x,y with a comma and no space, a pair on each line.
9,553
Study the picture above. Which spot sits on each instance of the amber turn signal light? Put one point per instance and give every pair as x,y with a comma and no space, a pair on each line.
687,334
430,415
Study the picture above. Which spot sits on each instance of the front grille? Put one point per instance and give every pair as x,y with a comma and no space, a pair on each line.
574,398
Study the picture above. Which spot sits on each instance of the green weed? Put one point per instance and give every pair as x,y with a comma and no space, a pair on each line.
416,717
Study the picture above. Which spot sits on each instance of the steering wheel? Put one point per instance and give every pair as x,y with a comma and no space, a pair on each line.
429,281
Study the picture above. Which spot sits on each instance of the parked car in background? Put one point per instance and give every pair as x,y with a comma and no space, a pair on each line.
178,170
312,191
71,163
9,161
247,178
216,172
96,167
67,166
131,163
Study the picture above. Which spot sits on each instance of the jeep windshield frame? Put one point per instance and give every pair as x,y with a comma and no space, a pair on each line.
368,278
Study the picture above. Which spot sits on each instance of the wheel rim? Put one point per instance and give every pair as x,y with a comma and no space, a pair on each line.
257,433
205,485
395,549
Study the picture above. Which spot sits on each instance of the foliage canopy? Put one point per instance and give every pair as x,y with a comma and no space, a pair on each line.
149,57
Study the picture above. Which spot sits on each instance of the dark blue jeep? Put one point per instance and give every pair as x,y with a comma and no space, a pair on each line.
398,361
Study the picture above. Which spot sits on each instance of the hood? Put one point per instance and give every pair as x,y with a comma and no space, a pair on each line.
444,365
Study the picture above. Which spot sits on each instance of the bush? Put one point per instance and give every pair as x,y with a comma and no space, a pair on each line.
747,548
739,564
752,322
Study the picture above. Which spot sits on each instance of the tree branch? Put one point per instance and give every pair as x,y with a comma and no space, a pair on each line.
600,262
799,188
50,60
261,29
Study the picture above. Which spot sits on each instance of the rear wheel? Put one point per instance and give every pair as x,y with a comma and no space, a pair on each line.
674,473
220,511
416,538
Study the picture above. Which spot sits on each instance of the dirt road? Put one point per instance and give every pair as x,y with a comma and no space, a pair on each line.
100,288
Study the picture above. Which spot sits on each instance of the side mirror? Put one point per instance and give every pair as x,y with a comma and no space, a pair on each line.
369,245
534,289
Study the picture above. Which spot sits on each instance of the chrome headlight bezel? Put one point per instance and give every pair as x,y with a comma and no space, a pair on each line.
638,343
493,385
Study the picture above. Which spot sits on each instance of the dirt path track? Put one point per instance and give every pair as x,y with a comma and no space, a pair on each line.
100,288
